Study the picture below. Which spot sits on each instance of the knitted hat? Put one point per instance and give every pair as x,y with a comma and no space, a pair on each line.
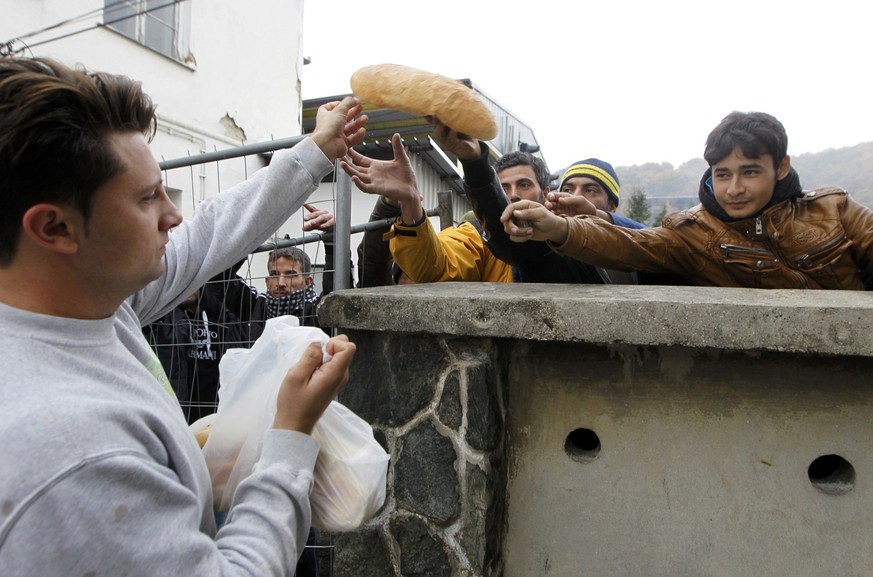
597,170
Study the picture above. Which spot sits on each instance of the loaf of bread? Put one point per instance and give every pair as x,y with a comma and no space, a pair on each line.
202,435
420,92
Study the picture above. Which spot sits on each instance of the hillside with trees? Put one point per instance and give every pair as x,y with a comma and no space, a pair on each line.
667,189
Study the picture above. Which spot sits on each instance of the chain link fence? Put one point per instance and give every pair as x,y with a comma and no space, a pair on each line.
230,310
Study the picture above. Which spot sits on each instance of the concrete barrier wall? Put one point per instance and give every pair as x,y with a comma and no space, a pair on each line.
590,430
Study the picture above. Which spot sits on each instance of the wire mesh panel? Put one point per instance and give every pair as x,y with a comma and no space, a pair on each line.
231,309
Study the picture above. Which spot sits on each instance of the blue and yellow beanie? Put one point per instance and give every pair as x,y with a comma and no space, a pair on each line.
597,170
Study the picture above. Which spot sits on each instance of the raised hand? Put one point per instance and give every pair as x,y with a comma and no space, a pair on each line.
394,179
318,219
458,144
338,127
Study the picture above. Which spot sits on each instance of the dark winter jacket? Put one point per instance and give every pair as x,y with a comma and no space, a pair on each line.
190,343
533,260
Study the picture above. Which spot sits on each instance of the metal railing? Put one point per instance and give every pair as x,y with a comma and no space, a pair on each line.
343,229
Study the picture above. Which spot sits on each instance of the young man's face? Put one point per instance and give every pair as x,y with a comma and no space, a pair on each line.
286,276
743,186
130,222
520,183
590,189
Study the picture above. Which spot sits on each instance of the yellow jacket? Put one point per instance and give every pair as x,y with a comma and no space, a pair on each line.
455,254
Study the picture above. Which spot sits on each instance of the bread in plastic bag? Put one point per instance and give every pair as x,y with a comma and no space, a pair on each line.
351,470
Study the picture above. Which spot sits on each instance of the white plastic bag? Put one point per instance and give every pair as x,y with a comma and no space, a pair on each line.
351,469
350,473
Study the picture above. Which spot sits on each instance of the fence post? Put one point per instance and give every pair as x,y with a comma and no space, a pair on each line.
342,238
444,200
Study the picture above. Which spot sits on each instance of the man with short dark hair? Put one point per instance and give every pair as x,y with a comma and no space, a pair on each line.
101,474
290,290
755,227
290,275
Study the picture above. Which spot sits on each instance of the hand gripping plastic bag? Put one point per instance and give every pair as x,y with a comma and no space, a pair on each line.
351,469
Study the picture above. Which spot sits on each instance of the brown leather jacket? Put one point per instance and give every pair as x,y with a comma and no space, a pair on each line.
821,240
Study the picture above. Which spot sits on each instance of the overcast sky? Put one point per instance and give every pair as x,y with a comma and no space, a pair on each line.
628,81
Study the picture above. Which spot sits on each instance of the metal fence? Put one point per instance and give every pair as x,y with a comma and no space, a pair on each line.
229,310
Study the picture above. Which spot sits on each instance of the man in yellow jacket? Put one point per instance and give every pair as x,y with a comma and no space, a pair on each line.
454,254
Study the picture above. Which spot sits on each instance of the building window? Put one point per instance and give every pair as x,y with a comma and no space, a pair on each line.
157,24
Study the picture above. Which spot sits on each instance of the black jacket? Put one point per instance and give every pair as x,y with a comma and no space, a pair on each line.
375,262
250,306
190,343
533,259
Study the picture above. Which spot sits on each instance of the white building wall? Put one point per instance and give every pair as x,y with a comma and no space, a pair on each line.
241,84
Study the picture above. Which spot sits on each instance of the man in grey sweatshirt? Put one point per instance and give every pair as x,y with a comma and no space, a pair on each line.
99,473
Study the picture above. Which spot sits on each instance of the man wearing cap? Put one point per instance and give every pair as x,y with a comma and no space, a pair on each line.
591,187
590,182
485,189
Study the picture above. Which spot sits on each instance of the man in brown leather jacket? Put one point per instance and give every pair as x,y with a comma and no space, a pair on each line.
755,226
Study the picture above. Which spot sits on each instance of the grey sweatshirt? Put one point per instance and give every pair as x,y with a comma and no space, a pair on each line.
99,473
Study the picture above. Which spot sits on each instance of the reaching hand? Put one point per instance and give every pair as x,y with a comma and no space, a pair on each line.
539,223
337,129
565,203
393,179
310,385
458,144
318,219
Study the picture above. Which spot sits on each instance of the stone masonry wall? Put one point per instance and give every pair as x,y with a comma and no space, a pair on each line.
566,430
436,406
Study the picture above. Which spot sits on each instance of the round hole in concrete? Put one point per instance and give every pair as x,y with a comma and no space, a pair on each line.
582,445
832,474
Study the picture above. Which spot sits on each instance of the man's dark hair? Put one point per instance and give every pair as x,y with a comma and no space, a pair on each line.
295,254
511,159
755,133
54,128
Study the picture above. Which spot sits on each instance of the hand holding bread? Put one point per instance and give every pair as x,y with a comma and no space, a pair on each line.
420,92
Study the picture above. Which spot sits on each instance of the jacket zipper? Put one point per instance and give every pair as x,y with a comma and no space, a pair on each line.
762,254
729,249
805,261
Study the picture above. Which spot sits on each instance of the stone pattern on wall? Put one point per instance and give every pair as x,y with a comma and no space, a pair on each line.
437,407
